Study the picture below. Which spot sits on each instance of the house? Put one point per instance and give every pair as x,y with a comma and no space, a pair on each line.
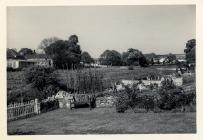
40,60
180,57
16,61
160,59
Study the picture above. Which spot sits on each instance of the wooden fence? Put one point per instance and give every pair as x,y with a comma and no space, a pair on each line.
21,110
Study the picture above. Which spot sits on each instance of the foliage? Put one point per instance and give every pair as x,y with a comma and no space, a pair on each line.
134,57
130,67
39,76
65,53
132,98
171,96
49,105
168,97
150,58
190,51
26,51
86,58
24,94
85,81
110,57
122,101
171,58
47,42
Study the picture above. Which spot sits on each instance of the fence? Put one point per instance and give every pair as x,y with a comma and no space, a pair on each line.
21,110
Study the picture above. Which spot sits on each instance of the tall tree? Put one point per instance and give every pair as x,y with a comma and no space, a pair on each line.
190,51
65,53
47,42
134,57
86,58
150,57
26,51
110,57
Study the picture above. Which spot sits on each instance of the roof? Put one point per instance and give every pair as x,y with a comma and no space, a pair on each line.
38,56
12,54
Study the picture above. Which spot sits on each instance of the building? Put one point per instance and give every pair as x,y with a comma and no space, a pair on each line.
17,61
180,57
40,60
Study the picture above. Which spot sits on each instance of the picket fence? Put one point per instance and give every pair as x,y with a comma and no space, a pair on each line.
20,110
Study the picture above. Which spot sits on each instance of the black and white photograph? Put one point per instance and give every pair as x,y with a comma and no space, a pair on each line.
101,69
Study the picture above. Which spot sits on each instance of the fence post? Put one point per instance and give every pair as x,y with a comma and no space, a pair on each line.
36,109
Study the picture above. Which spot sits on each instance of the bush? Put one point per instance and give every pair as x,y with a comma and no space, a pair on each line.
24,94
122,102
172,97
49,105
40,76
130,67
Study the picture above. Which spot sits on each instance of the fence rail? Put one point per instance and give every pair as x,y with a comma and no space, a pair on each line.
20,110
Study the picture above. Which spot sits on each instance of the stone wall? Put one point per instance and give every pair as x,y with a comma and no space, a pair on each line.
106,101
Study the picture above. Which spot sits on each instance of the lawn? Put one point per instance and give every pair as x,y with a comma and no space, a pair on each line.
103,121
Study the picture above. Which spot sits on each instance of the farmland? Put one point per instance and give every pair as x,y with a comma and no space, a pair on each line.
104,121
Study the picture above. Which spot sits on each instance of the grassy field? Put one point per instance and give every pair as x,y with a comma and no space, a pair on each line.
103,121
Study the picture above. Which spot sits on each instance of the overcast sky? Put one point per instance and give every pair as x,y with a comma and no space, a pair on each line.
159,29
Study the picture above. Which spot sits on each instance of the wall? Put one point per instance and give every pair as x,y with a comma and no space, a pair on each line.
106,101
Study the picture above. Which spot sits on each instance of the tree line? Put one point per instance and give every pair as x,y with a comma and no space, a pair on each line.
67,54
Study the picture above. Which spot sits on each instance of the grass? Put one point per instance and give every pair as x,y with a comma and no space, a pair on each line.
103,121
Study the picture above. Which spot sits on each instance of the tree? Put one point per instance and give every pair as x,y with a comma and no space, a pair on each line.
47,42
86,58
134,57
65,53
150,58
124,58
171,58
26,51
190,51
110,57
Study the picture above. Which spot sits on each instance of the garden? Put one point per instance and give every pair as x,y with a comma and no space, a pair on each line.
168,101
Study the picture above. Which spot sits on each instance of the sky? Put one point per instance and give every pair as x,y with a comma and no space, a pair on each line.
161,29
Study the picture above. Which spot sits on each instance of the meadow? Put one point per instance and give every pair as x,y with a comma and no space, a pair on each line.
103,121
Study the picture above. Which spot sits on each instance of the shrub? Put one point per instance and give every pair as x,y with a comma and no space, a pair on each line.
24,94
49,105
122,102
40,76
130,67
172,96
